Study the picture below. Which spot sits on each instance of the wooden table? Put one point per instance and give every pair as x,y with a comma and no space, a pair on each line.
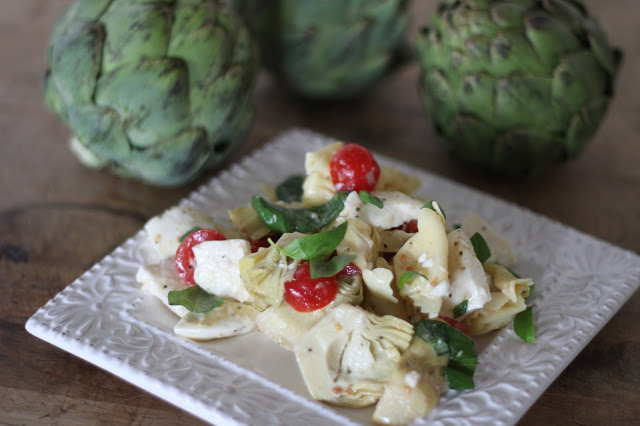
58,218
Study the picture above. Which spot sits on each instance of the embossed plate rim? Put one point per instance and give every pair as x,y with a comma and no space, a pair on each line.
563,258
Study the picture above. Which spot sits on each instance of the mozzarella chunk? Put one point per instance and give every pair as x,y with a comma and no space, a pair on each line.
158,280
502,251
166,229
217,268
229,319
466,274
397,209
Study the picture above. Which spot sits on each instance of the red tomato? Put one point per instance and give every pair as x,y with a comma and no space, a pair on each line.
353,168
261,242
454,323
306,294
350,269
185,261
410,227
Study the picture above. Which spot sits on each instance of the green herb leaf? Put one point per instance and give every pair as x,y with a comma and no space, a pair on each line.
523,325
369,198
433,205
195,299
481,247
306,219
290,189
461,309
189,232
315,245
407,276
457,379
446,339
435,333
319,267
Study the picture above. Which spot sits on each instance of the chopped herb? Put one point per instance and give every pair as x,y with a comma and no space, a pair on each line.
461,309
319,267
315,245
290,189
523,325
407,276
195,299
369,198
189,232
481,247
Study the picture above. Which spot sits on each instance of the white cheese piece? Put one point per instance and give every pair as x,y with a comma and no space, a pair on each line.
158,280
468,278
229,319
502,251
397,209
217,268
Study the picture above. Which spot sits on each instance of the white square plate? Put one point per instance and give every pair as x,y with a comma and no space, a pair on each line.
104,318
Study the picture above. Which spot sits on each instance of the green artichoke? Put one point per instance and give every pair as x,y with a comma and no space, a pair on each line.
515,86
328,49
153,90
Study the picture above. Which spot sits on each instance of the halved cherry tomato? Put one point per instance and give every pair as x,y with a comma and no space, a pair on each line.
454,323
306,294
261,242
410,227
185,261
353,168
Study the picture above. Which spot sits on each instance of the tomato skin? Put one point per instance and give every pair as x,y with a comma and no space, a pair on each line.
306,294
454,323
259,243
353,168
185,260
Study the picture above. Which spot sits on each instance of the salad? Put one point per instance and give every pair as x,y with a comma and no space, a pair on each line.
378,296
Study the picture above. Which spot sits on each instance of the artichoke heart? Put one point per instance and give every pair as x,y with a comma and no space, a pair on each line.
156,91
515,87
265,272
347,356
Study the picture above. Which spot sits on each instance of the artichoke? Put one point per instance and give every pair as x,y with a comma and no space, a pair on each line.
154,90
515,86
328,49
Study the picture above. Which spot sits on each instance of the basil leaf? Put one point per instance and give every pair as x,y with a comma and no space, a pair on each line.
369,198
306,219
290,189
433,205
461,309
481,247
523,325
195,299
446,339
457,379
407,276
315,245
189,232
319,267
434,332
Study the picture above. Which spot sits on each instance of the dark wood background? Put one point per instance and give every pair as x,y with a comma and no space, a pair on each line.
58,218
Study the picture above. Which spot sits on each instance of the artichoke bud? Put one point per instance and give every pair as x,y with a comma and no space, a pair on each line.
515,87
329,49
158,91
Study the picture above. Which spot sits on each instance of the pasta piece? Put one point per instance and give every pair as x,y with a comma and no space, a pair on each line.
158,280
318,187
427,253
245,219
229,319
361,240
381,295
502,251
508,295
394,180
347,356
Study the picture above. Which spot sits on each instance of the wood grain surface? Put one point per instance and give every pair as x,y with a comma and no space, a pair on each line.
58,218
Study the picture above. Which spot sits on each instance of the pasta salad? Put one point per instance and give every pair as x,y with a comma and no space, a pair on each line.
377,295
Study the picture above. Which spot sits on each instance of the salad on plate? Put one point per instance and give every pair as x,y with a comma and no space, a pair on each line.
376,293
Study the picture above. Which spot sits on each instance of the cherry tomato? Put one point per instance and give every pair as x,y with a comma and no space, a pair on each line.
185,261
410,227
353,168
350,269
261,242
454,323
306,294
